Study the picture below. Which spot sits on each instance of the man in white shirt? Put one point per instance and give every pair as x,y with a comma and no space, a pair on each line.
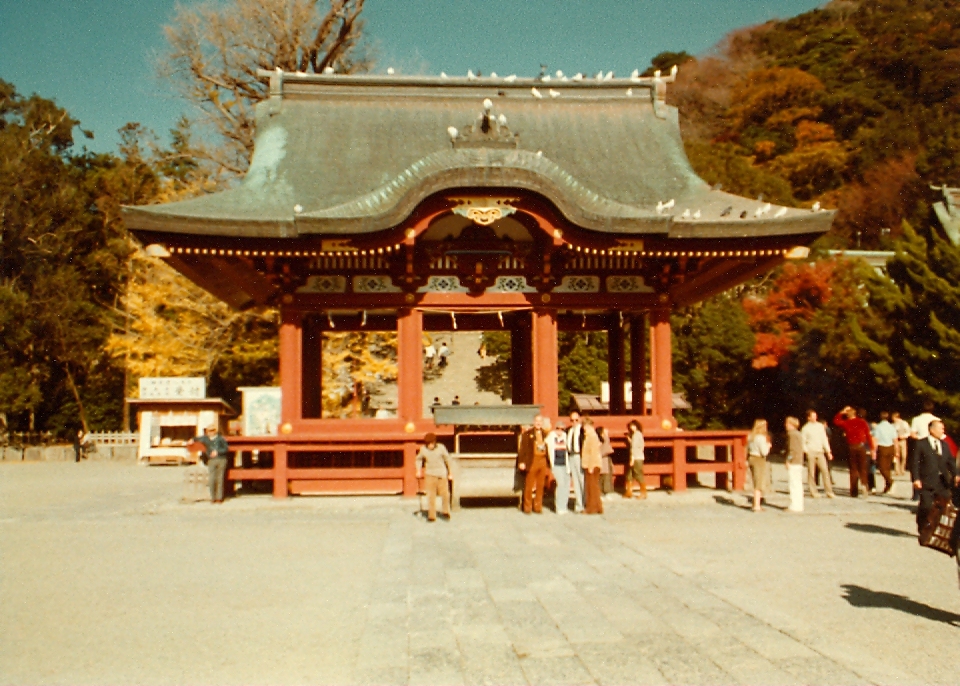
816,446
885,440
575,436
903,432
920,425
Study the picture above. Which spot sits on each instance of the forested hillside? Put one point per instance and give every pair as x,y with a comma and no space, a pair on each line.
855,105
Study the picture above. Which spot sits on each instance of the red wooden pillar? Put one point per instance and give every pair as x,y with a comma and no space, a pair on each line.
679,465
546,389
615,368
410,387
661,363
290,380
290,366
280,487
638,364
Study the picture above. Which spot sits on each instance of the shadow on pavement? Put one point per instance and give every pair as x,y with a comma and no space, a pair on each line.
875,529
864,597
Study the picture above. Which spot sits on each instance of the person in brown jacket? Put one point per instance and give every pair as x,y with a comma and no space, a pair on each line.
591,459
532,458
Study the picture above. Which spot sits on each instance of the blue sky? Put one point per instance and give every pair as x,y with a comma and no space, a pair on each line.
96,57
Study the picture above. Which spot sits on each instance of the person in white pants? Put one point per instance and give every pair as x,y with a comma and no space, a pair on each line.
795,463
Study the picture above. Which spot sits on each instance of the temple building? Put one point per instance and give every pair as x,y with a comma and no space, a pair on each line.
424,204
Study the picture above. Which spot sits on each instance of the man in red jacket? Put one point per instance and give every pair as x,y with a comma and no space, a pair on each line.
859,442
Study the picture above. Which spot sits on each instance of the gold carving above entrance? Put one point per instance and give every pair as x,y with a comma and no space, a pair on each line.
484,211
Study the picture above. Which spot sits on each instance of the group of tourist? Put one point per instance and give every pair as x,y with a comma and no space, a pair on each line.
879,447
552,456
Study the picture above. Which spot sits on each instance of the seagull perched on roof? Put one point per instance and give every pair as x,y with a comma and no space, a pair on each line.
578,76
536,93
471,75
545,77
608,76
328,70
661,206
502,120
629,92
599,75
696,215
452,132
635,74
493,75
559,74
779,213
511,78
686,213
391,71
487,105
816,206
554,94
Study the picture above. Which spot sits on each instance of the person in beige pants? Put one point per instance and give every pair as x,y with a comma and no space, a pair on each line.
816,447
433,464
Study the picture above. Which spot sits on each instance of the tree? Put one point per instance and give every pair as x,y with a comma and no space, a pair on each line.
62,257
712,350
919,355
217,48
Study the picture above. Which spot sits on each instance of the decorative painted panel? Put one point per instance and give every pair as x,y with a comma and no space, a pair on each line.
511,284
374,284
324,284
579,284
627,284
443,284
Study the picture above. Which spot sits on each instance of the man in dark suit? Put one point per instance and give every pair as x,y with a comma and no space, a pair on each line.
933,469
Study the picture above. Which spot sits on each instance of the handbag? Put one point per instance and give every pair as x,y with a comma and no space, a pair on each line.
938,531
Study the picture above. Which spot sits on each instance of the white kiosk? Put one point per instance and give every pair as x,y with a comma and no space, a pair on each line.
170,412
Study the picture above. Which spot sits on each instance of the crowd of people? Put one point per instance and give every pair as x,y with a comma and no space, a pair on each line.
552,458
882,447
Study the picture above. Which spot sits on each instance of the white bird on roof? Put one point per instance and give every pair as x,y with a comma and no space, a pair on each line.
511,78
578,76
391,71
554,94
487,105
536,93
635,74
328,70
661,206
443,75
686,213
502,120
545,77
629,92
816,206
539,153
599,75
452,132
559,74
779,213
493,75
471,75
696,215
608,76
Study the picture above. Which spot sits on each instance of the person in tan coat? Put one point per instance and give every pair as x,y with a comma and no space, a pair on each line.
591,460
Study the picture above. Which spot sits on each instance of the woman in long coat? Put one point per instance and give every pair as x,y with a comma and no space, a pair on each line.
591,459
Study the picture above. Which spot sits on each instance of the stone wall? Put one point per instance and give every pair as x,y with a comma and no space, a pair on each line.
64,453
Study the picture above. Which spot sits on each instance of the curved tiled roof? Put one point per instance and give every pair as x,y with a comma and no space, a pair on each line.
350,155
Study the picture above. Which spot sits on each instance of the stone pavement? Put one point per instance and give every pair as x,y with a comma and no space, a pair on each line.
106,578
